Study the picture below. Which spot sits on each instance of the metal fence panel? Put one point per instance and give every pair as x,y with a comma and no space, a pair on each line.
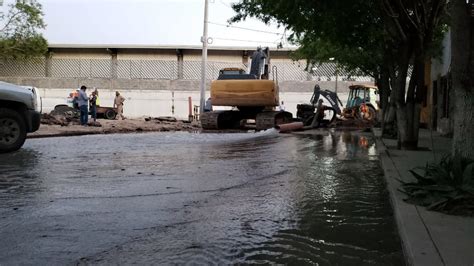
163,69
192,69
100,68
66,68
147,69
290,71
28,68
81,68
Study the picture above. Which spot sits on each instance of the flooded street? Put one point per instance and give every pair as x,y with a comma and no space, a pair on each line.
174,198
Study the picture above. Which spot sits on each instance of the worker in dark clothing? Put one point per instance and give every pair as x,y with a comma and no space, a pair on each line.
319,115
83,102
93,105
208,105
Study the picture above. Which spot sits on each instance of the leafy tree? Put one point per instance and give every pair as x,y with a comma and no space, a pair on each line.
19,36
412,28
381,38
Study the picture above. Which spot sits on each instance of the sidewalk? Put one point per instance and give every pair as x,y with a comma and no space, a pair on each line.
428,238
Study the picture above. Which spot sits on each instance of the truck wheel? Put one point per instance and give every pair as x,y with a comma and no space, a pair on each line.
110,114
12,130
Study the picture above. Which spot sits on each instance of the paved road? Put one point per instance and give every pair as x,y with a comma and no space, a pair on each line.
204,198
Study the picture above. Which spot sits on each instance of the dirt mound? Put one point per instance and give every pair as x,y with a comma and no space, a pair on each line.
162,119
169,123
61,115
66,111
64,115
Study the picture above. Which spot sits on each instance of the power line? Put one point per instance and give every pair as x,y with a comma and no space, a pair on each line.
243,28
222,2
239,40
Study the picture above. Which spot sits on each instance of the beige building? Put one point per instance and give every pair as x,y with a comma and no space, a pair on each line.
160,68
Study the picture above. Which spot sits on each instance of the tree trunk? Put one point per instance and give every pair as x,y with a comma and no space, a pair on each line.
389,129
408,122
383,83
384,88
462,72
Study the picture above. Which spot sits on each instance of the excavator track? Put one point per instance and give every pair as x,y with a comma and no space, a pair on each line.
270,119
220,120
216,120
209,120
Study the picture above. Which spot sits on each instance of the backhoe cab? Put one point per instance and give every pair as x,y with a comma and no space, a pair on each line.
362,103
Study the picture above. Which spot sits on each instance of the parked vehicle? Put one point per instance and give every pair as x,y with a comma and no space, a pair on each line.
20,113
363,103
307,112
252,96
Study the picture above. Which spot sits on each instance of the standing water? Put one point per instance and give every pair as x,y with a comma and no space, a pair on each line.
173,198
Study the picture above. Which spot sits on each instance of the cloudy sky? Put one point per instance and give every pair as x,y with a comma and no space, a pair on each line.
150,22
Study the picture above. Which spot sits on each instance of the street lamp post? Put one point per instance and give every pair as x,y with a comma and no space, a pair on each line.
204,59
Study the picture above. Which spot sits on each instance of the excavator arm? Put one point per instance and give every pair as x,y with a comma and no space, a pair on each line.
330,96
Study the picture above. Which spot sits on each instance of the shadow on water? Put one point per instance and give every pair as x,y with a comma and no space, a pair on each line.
17,172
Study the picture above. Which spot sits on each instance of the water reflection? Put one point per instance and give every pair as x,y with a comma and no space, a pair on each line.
335,198
17,172
177,198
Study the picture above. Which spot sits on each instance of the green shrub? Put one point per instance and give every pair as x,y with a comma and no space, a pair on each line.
447,186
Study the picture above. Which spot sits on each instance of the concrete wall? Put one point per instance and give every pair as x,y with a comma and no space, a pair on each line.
170,85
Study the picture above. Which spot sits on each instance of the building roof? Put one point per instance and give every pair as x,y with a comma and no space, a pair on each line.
364,86
164,47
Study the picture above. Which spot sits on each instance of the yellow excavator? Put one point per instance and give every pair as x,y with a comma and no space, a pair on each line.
253,97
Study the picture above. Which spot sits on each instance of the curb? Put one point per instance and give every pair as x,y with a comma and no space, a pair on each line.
418,247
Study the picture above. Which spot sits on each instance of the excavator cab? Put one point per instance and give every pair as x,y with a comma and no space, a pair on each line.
234,73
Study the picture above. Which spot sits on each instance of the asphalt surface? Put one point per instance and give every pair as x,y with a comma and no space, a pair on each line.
175,198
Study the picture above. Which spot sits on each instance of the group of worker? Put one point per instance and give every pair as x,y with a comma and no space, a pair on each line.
84,102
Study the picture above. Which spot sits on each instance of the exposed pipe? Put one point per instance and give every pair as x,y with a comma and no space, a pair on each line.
289,127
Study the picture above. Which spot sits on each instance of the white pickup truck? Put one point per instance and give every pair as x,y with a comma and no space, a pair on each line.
20,113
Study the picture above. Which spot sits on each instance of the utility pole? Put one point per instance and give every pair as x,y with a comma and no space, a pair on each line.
336,72
204,59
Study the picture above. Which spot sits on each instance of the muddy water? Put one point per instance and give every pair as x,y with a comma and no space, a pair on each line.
201,198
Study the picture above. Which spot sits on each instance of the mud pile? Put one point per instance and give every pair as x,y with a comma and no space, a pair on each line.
352,123
49,119
169,123
62,124
64,116
61,115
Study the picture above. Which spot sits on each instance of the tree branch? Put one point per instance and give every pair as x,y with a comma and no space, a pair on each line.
407,16
390,13
10,20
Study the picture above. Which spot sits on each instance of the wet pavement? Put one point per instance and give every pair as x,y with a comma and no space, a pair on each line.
174,198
